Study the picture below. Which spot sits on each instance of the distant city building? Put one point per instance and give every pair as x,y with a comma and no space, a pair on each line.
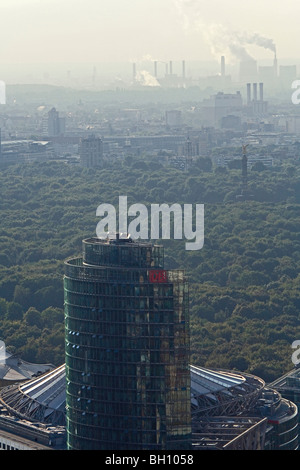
2,92
287,74
231,122
91,152
127,349
189,148
173,118
256,105
293,124
25,151
267,74
221,105
55,125
145,143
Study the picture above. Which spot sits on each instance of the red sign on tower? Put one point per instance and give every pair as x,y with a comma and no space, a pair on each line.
159,275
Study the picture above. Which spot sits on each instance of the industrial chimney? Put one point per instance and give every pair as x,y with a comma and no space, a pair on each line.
248,93
254,91
275,65
183,69
261,91
222,66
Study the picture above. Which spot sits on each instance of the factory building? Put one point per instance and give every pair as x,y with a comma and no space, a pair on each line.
256,105
221,105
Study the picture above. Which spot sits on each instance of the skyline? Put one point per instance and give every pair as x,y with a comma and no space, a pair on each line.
77,31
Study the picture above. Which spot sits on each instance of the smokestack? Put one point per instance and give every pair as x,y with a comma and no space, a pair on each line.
261,91
134,71
94,75
275,65
254,91
155,69
183,68
248,93
223,66
171,67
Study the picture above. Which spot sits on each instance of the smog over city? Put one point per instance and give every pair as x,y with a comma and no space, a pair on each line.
50,40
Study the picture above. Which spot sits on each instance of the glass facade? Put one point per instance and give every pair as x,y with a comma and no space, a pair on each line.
127,349
284,435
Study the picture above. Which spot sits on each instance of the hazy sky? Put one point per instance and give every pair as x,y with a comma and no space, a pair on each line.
127,30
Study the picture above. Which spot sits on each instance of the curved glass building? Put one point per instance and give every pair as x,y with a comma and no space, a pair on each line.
127,349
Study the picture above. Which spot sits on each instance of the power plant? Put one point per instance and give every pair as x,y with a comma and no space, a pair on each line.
255,102
172,74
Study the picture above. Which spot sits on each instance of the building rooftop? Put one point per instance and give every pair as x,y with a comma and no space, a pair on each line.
228,409
41,399
217,393
13,369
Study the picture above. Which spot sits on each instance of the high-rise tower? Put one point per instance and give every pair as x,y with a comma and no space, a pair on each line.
127,349
55,124
91,152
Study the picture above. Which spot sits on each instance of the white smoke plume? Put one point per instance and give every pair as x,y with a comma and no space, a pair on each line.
145,78
221,39
258,40
144,58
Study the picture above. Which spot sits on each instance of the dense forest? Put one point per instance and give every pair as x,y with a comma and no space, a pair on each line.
244,282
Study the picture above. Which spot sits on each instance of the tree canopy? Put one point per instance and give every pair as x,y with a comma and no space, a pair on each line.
244,282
